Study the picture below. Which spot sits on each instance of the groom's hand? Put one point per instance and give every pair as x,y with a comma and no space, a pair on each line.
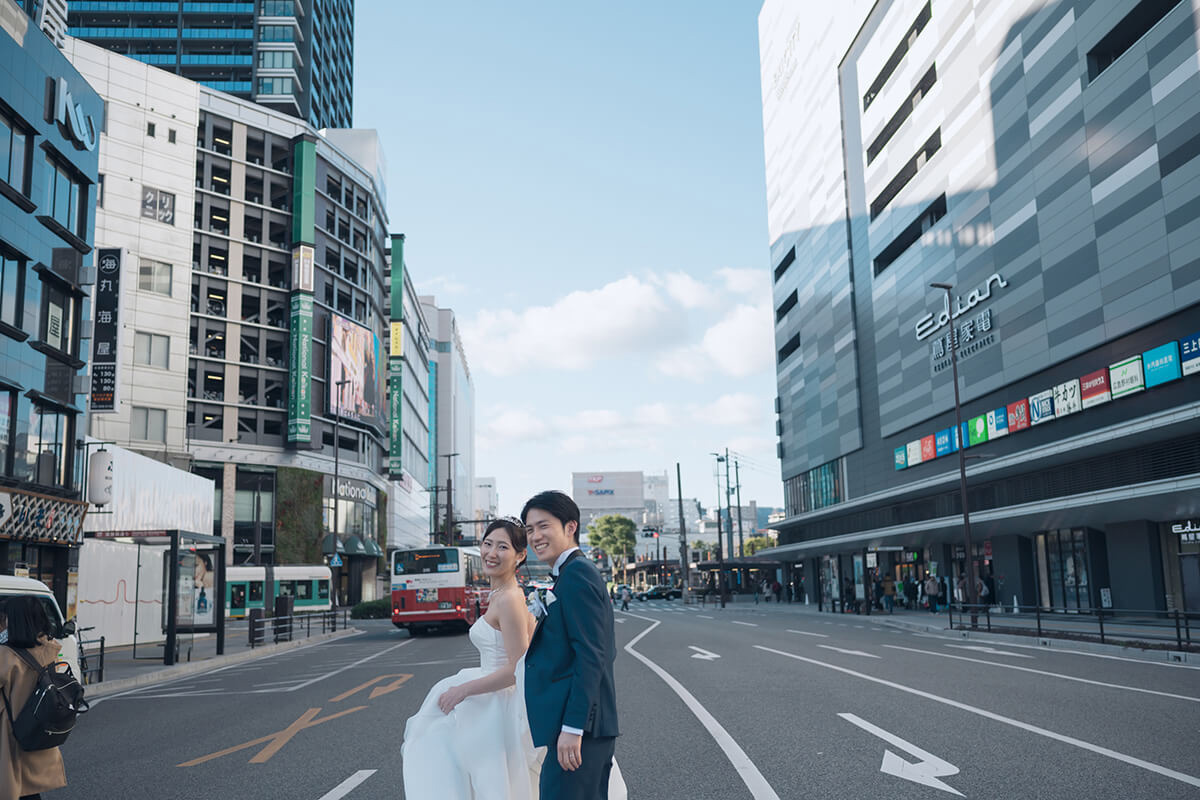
570,751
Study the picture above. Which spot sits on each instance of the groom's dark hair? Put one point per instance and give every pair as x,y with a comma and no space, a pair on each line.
557,504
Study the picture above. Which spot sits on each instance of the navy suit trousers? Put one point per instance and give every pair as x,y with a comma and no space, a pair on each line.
589,782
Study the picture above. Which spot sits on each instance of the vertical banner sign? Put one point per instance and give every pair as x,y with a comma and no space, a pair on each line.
396,362
106,331
300,369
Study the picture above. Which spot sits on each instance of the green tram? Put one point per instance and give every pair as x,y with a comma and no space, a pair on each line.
257,587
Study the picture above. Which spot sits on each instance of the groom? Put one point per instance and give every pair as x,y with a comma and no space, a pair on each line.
569,693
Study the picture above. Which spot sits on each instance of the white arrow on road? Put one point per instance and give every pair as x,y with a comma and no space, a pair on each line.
847,652
703,654
925,772
980,648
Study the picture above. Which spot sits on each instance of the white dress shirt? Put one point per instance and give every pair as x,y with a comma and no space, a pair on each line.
558,562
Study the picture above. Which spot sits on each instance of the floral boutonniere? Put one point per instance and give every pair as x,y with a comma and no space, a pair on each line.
540,601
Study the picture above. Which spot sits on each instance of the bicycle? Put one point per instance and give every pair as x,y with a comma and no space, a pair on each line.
84,671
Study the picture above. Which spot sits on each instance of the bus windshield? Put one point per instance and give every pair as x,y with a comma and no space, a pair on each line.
423,562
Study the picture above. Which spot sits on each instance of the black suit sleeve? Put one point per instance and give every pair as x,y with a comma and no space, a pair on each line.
583,610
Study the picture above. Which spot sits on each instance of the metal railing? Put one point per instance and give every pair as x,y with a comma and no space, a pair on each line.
91,662
1178,629
289,628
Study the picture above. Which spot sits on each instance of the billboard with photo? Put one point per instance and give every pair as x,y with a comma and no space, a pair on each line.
355,354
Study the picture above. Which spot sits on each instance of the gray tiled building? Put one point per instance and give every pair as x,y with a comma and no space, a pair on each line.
1043,157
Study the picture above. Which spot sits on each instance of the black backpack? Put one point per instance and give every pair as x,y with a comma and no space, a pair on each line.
49,714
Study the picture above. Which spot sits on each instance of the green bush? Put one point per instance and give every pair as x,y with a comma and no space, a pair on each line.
372,609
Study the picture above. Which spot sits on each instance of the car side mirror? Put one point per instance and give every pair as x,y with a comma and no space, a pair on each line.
68,628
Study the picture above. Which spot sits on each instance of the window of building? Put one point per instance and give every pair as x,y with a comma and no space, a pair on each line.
909,236
278,8
906,173
784,263
276,33
65,197
148,424
171,135
791,346
14,153
150,129
100,190
819,487
154,276
1125,34
12,289
151,349
275,59
787,305
8,433
48,452
897,56
905,111
275,86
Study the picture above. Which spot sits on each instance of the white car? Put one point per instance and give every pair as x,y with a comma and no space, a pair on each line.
11,586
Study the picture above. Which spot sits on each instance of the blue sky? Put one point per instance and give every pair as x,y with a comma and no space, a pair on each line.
583,185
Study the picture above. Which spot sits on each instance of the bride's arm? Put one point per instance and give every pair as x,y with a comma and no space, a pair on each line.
514,628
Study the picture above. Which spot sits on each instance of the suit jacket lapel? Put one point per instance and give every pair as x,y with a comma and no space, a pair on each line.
538,628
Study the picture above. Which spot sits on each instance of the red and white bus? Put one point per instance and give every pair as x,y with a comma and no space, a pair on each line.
438,587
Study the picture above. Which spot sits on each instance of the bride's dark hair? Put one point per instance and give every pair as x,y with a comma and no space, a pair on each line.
516,535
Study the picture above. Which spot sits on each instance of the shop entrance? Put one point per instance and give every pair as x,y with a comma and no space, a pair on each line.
1189,566
1062,562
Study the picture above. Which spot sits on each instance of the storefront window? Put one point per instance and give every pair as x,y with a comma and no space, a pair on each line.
47,455
254,517
1063,570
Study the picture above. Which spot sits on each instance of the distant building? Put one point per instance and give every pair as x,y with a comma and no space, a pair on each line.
487,502
599,494
454,423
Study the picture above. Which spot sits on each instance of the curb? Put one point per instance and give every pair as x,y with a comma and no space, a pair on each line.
1148,654
105,688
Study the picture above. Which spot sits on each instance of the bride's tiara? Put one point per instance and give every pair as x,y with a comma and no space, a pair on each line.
511,521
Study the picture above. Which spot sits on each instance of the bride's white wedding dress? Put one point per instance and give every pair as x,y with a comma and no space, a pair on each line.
482,749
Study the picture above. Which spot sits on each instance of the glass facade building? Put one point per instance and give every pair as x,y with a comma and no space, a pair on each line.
1042,159
295,56
49,126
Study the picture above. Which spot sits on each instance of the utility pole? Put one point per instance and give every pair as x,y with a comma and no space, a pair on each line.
728,492
683,546
433,515
720,550
449,497
738,479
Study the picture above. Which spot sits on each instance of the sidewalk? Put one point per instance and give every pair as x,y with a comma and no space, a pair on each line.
1056,634
197,653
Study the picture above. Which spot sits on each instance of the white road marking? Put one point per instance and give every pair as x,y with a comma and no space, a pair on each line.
1190,780
618,619
311,681
703,654
747,624
925,772
989,650
806,633
754,780
1044,672
350,784
1045,649
704,616
847,652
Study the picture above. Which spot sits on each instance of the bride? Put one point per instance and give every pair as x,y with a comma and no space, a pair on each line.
470,739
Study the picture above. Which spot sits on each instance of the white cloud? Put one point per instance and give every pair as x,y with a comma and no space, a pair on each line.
572,333
739,345
745,281
689,292
513,425
739,408
658,415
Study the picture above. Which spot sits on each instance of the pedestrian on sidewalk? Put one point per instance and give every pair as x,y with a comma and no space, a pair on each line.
625,593
932,590
889,592
777,590
25,774
757,591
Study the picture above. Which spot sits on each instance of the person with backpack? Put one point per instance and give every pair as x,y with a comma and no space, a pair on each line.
932,590
40,698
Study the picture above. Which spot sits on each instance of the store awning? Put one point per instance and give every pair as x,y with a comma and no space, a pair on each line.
355,546
327,545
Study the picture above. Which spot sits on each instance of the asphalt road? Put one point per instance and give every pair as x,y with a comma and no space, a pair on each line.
739,703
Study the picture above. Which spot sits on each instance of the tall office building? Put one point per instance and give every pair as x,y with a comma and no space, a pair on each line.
453,430
249,335
1041,158
294,56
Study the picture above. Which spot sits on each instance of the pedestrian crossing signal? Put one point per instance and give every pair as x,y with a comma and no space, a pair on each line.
336,561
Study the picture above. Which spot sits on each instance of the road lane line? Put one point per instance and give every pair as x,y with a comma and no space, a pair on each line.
311,681
350,784
1044,672
704,616
754,780
980,648
847,652
1190,780
806,633
747,624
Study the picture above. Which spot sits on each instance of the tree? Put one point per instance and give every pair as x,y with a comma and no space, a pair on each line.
614,535
756,543
705,549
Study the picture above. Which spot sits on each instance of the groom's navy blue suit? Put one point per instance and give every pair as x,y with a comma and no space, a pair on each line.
569,681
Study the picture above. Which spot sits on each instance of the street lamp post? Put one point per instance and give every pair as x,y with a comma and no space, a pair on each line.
720,550
337,449
449,497
962,461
